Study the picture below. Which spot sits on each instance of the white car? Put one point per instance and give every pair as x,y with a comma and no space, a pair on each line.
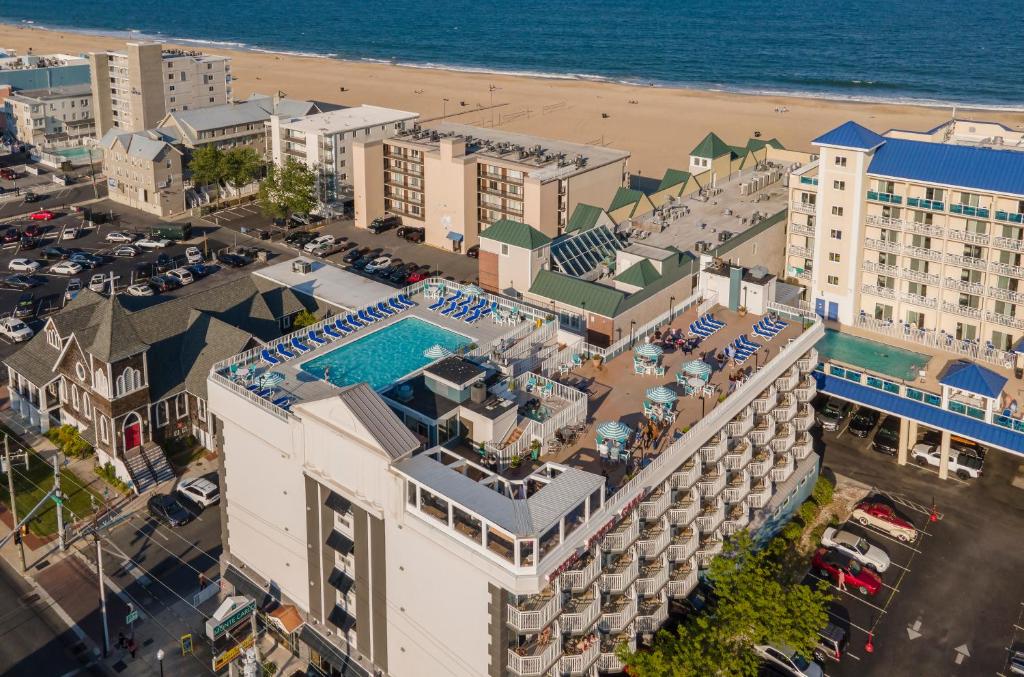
964,465
98,283
66,268
181,276
15,330
23,265
856,547
317,242
119,237
141,289
193,255
152,243
69,233
789,660
378,263
126,250
200,491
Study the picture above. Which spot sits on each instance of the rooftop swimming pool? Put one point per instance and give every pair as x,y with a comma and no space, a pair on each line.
386,355
73,153
880,358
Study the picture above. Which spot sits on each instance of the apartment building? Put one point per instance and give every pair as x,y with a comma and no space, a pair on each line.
41,117
145,170
411,529
133,90
42,71
323,141
455,180
924,229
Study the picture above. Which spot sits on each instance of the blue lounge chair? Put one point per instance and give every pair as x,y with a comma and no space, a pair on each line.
269,358
454,297
311,335
352,320
283,401
697,330
374,313
473,316
252,387
341,326
709,320
489,309
776,324
462,312
385,309
762,333
465,300
531,383
332,332
406,301
299,345
397,305
282,349
366,318
450,309
437,304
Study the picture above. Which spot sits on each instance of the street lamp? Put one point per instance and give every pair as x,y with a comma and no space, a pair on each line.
160,659
671,302
632,324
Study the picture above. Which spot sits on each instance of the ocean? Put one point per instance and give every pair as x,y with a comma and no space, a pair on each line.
938,52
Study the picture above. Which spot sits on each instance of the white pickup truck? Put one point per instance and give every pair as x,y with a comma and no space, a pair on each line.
964,465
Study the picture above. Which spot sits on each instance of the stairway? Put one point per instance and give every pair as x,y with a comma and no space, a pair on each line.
516,433
157,462
142,476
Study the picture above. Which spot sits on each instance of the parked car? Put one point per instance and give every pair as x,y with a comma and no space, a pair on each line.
887,437
317,241
42,215
199,270
11,235
181,276
415,276
140,289
193,255
473,252
300,219
21,281
66,268
125,250
86,260
299,238
152,242
362,262
961,463
377,263
398,274
25,306
167,509
863,422
119,237
833,413
789,660
828,562
56,253
382,223
233,260
163,263
32,197
13,329
200,491
970,447
411,233
885,519
856,547
163,283
28,242
23,266
8,174
98,283
70,232
354,255
831,643
32,230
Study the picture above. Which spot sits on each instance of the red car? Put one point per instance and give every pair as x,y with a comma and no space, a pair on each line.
33,230
41,215
828,562
416,276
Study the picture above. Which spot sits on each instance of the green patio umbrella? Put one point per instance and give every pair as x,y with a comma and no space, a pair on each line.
661,395
649,350
697,368
614,430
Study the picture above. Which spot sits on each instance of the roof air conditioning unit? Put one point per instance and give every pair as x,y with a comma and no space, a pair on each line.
302,267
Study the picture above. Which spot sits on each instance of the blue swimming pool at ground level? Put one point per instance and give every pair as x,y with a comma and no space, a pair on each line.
386,355
874,356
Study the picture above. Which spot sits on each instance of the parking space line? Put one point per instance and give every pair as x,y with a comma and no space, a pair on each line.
886,536
935,471
850,623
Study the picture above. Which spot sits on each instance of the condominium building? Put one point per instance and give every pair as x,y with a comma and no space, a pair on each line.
918,228
323,141
41,117
145,170
455,180
434,513
133,90
42,71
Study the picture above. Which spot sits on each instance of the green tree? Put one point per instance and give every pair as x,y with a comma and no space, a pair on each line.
206,165
304,318
752,605
240,166
288,189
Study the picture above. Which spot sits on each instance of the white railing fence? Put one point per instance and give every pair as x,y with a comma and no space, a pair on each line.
704,301
937,339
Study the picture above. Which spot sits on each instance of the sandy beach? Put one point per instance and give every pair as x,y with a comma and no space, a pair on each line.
657,125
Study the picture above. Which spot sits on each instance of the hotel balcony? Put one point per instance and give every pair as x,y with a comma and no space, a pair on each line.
710,517
607,661
785,435
617,613
761,463
651,614
684,510
887,198
737,488
1006,295
534,658
1005,320
924,229
653,577
922,253
969,210
576,660
803,207
803,446
580,613
966,287
922,203
965,311
711,482
1006,269
880,268
708,549
805,274
686,476
741,424
786,409
782,469
739,455
581,578
621,574
653,541
885,221
1009,217
804,419
788,380
882,245
655,505
759,495
683,545
808,361
802,252
1010,243
682,580
623,535
918,300
714,449
918,276
766,401
967,261
533,614
802,229
968,237
763,431
738,517
875,290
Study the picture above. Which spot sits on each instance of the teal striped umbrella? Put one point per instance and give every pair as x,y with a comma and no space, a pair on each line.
697,368
472,290
436,352
661,395
649,350
271,379
614,430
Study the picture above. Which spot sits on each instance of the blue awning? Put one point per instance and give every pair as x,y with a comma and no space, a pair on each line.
941,419
973,378
454,237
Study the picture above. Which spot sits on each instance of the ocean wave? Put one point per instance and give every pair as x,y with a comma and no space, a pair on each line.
287,52
210,43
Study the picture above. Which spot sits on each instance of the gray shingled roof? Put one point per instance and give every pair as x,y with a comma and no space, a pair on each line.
387,430
114,337
146,145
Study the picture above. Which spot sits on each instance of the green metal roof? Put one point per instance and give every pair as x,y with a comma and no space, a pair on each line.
516,234
584,217
711,147
572,291
623,197
758,144
639,274
673,177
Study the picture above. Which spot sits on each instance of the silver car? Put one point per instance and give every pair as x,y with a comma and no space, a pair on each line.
856,547
789,660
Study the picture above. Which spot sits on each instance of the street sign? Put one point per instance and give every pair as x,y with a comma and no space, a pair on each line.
186,644
132,616
232,653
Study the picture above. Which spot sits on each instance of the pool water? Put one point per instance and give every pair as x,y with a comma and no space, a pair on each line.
386,355
880,358
72,153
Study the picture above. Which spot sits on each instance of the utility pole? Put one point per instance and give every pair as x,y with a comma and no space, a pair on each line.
14,506
99,573
59,500
92,173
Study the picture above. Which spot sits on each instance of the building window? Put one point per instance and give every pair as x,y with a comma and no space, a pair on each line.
840,161
836,234
161,414
839,185
86,406
104,427
504,250
201,407
181,405
833,280
80,371
74,396
99,381
837,211
834,257
53,338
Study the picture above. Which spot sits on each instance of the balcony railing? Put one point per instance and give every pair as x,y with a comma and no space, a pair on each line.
786,409
708,550
655,505
1006,269
617,613
741,424
651,615
782,469
882,245
683,545
923,253
580,579
957,309
918,276
653,541
534,614
875,290
802,229
710,518
580,613
918,300
652,578
1009,217
712,482
685,509
881,268
968,210
1011,243
1006,295
887,198
686,476
534,663
759,495
622,574
803,252
737,518
623,536
1005,320
967,261
802,446
887,221
808,360
967,236
806,391
739,456
737,488
924,229
966,287
761,463
579,663
784,437
714,449
921,203
766,401
763,431
802,207
788,381
608,661
682,580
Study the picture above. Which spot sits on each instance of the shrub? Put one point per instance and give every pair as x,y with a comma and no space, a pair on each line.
822,492
109,475
303,319
70,441
792,531
808,511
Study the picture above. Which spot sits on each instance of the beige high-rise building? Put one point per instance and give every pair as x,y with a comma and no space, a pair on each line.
133,90
456,180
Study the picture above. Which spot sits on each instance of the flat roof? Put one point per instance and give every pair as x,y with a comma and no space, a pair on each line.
347,119
455,371
53,93
327,283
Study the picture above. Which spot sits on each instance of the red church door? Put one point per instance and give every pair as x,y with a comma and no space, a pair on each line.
133,435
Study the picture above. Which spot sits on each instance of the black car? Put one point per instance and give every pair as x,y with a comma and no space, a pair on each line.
21,282
56,253
299,238
86,260
25,306
398,275
473,252
233,260
32,197
166,508
887,438
163,263
382,223
32,230
363,261
411,233
354,255
28,242
864,421
11,235
163,283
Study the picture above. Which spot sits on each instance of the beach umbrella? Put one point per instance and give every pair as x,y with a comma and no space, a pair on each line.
697,368
649,350
472,290
614,430
271,379
661,395
436,351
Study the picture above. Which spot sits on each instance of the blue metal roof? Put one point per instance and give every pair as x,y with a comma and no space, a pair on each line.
973,378
934,417
850,135
1000,171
